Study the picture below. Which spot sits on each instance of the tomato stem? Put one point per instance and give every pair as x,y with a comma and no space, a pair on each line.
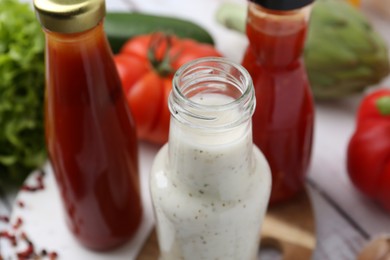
383,105
161,65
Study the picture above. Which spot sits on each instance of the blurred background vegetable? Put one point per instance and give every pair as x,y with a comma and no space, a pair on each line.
146,64
21,92
368,154
343,53
354,2
122,26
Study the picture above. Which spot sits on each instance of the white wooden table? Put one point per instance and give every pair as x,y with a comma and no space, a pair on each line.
345,220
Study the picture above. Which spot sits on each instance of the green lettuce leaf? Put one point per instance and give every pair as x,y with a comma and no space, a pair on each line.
21,92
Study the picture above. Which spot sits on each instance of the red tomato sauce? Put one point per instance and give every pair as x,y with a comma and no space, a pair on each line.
91,140
283,119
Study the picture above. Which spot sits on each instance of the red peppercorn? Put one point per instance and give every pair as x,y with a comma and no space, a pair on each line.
4,218
29,252
18,223
39,183
9,236
20,204
53,255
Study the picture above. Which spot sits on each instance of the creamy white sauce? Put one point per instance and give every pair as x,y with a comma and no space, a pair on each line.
210,193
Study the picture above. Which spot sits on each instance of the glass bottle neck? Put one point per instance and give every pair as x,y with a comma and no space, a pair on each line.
212,94
87,39
80,69
211,105
276,38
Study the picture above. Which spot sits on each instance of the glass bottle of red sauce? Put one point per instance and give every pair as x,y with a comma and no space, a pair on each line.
283,120
90,133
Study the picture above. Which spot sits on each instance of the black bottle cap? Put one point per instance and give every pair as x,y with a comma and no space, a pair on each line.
282,5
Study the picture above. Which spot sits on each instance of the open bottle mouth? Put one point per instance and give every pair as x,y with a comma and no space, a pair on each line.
212,92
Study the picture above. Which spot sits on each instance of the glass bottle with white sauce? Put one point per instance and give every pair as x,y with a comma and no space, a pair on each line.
210,184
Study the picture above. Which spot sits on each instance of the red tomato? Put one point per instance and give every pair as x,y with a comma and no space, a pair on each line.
368,154
146,65
129,77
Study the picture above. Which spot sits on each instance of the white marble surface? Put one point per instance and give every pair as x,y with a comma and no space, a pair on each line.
44,222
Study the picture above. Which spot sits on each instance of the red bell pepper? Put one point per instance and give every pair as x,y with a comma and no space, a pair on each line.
368,154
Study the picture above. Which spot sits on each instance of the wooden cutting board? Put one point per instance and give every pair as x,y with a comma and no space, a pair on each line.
288,228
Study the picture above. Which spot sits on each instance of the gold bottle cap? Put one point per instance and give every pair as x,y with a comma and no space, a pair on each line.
69,16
